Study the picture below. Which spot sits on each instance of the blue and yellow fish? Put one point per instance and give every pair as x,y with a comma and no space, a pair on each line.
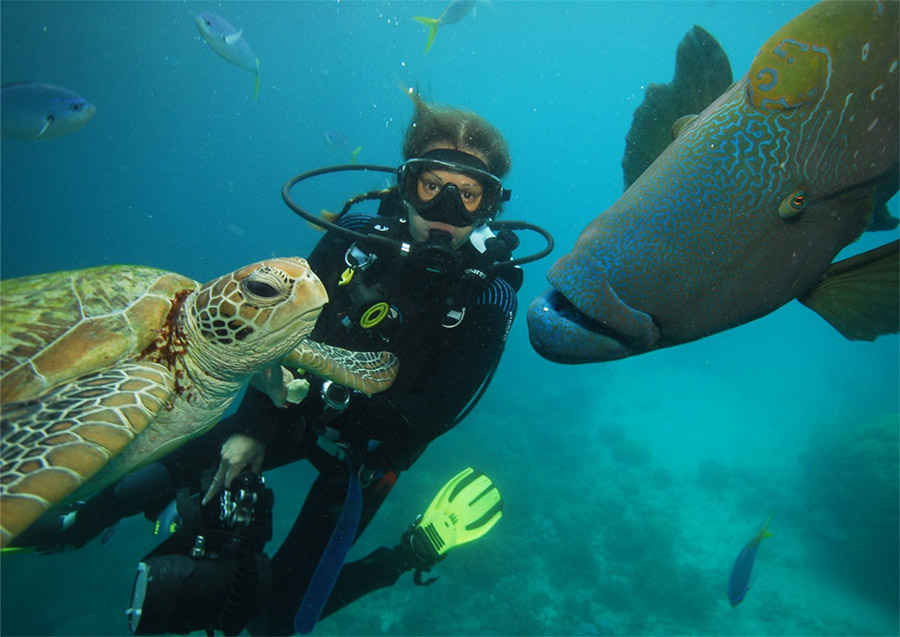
31,110
742,571
453,13
229,43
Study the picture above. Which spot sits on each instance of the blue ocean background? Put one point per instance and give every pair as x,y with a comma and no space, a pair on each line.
629,487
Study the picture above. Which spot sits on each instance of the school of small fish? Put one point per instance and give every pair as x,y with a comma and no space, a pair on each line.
38,111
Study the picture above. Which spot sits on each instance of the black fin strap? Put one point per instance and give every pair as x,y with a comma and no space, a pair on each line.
417,578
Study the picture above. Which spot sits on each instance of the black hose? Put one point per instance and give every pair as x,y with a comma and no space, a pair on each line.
392,244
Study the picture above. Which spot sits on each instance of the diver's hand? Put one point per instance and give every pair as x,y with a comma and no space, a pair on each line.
273,381
237,452
280,385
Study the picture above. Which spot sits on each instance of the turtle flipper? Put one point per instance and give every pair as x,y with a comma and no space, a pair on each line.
368,372
54,443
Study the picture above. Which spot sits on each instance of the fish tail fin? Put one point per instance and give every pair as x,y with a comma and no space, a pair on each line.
432,24
354,154
858,296
765,532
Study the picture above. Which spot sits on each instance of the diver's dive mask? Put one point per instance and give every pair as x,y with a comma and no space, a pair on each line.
466,204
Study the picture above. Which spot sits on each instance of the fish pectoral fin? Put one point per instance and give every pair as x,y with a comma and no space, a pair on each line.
858,296
46,125
232,38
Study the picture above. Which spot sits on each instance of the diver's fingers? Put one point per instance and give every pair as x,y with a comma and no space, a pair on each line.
217,482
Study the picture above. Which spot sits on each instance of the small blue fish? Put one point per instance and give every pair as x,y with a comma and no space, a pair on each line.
29,110
742,571
453,13
229,43
337,143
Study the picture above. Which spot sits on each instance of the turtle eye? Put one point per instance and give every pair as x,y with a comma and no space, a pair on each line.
261,289
266,287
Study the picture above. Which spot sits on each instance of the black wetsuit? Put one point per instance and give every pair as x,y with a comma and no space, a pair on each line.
448,337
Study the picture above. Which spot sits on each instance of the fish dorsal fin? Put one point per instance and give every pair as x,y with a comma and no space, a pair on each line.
232,38
702,73
858,296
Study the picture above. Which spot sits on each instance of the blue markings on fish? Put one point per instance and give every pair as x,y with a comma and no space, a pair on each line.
229,43
29,110
453,13
339,145
742,572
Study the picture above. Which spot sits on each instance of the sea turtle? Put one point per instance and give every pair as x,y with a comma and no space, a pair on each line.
106,369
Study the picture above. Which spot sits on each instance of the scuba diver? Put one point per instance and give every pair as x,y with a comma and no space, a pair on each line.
426,279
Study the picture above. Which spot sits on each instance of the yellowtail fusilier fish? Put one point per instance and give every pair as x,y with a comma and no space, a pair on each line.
229,43
453,13
340,146
742,570
29,110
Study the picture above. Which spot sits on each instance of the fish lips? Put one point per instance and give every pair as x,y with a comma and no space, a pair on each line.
581,319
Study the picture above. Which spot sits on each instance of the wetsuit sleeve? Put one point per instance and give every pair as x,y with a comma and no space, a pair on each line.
449,378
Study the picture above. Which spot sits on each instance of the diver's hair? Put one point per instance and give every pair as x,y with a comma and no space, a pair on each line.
463,129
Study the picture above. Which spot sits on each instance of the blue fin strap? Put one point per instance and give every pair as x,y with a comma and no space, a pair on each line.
332,559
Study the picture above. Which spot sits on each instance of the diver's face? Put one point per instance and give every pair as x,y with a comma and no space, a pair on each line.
420,227
430,184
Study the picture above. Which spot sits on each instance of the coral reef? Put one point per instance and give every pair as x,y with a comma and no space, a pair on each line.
853,489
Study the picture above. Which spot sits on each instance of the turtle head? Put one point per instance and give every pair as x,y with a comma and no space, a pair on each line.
245,321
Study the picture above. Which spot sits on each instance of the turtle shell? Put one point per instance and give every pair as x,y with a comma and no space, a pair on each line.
62,325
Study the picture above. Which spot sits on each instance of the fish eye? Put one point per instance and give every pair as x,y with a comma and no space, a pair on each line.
76,107
793,204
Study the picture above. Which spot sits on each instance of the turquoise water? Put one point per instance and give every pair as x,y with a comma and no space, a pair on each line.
629,487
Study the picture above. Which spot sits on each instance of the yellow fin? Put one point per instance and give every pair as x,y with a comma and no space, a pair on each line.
860,296
432,24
